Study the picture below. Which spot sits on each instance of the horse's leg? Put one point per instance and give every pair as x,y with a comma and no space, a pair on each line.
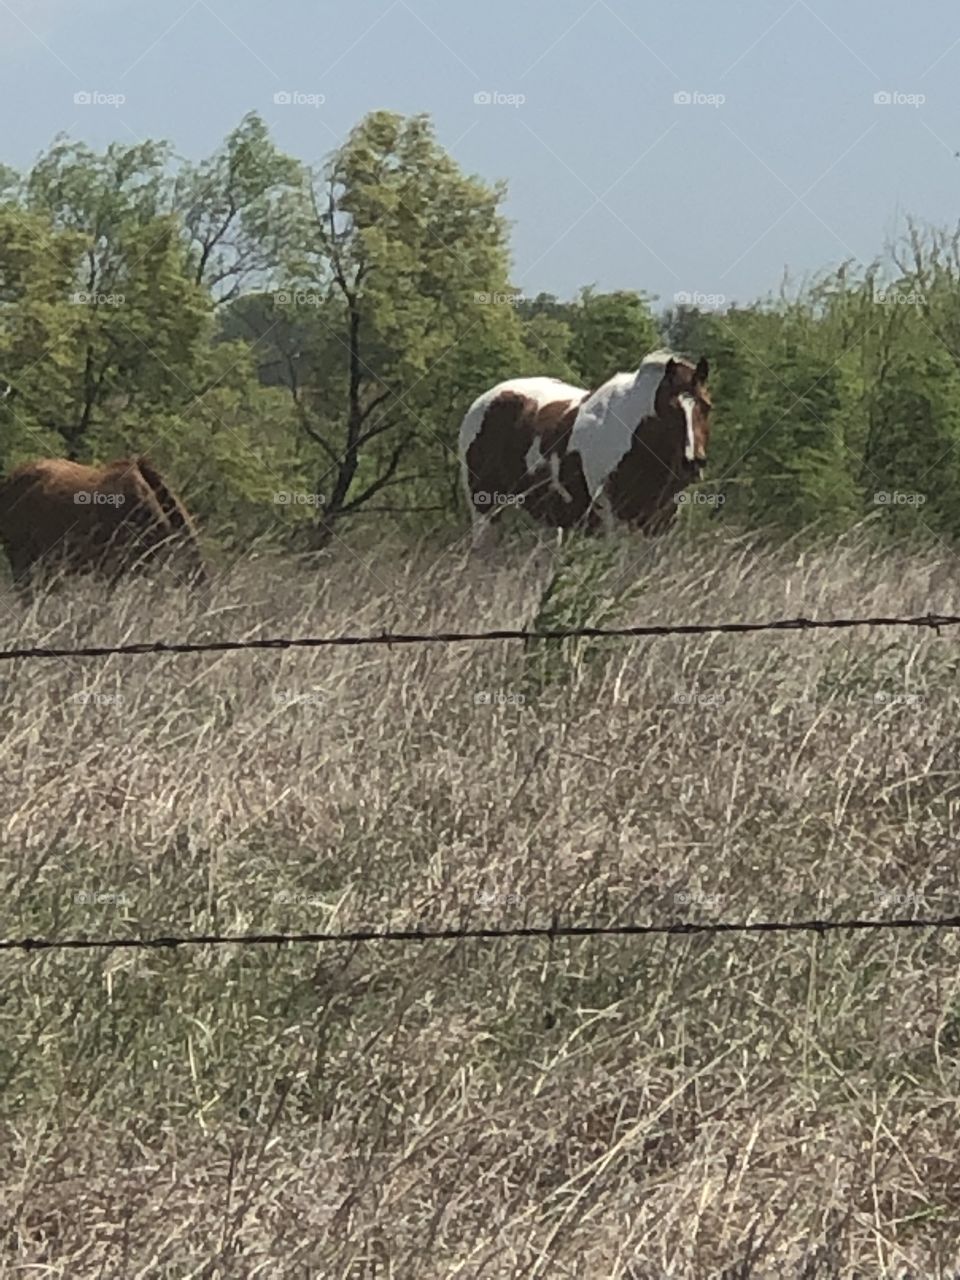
661,520
556,484
604,509
23,584
21,572
483,535
115,573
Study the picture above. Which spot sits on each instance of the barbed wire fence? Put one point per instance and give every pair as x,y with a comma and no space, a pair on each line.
928,621
551,932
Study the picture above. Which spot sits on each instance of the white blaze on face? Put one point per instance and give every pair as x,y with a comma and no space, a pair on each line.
689,404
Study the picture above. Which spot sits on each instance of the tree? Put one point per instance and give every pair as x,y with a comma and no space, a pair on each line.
611,333
913,459
547,335
115,319
784,404
140,322
402,259
38,265
233,209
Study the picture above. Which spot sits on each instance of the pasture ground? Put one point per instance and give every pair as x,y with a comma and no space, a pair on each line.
763,1106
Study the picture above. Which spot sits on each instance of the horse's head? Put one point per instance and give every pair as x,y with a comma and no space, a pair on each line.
684,402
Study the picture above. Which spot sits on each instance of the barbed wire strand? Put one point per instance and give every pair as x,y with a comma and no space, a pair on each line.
930,621
480,933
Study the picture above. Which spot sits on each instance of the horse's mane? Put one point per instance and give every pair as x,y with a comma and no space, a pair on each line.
661,357
640,384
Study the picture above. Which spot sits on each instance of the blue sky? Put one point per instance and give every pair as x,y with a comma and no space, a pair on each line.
611,181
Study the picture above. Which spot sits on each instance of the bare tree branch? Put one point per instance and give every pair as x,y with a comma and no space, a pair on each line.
211,243
382,481
378,429
375,403
393,511
317,438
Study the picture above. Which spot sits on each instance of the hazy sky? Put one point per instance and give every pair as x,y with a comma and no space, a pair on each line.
787,161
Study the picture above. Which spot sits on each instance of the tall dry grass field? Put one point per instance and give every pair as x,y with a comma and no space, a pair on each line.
646,1107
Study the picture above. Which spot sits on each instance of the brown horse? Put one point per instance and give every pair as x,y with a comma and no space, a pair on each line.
110,519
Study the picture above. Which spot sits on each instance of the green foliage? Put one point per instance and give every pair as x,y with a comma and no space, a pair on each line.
610,332
827,400
261,329
794,470
234,207
546,349
401,261
584,590
140,326
38,264
108,329
914,452
547,335
590,339
233,450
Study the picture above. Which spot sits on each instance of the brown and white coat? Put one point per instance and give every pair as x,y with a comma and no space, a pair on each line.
620,455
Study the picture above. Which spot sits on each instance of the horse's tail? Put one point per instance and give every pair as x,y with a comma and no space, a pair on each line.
178,519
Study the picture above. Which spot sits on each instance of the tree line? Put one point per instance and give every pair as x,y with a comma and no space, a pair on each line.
296,347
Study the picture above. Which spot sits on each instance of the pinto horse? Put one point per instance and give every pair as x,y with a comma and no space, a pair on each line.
618,456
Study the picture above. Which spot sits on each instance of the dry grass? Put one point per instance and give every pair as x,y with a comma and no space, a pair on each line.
638,1108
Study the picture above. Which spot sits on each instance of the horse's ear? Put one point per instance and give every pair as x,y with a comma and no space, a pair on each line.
670,369
702,371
